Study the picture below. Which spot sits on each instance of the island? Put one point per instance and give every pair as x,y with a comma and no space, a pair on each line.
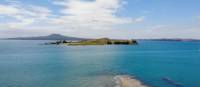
101,41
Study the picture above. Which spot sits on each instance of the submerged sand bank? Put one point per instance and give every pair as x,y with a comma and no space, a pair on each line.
127,81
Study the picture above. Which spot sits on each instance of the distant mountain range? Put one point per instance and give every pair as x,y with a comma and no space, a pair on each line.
173,39
49,37
62,37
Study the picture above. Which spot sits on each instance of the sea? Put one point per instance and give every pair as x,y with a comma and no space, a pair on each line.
29,63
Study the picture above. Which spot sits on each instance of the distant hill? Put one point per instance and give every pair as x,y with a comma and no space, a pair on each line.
49,37
173,39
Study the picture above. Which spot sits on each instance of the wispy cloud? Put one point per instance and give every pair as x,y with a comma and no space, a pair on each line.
95,14
92,18
139,19
22,16
87,16
76,13
8,10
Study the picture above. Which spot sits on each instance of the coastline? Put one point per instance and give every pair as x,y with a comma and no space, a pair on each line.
101,41
128,81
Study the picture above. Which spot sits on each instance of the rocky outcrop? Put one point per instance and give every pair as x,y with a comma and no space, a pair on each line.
127,81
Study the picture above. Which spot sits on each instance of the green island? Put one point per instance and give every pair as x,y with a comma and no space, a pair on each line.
101,41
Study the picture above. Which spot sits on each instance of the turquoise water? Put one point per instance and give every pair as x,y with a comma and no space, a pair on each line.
30,64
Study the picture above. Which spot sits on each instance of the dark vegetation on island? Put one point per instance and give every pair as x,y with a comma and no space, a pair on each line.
102,41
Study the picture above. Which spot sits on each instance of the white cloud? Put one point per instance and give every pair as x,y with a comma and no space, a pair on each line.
83,18
8,10
77,16
140,19
95,14
22,15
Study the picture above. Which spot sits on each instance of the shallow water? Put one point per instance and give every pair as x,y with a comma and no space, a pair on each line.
29,64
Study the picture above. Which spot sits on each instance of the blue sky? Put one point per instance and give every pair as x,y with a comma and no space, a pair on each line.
101,18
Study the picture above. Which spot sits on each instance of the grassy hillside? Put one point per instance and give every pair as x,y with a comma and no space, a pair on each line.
103,41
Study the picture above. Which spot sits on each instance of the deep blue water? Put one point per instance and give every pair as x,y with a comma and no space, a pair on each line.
30,64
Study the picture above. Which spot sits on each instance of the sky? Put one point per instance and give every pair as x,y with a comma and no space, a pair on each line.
135,19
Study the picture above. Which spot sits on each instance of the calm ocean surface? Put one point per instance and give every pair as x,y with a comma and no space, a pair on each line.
30,64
